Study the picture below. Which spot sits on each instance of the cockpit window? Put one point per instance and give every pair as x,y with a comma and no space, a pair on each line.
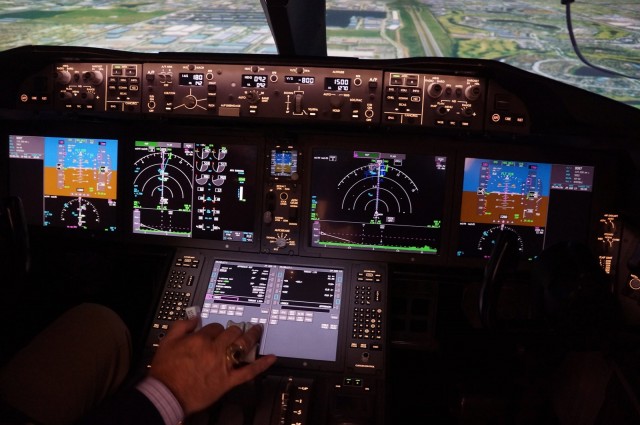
532,35
590,44
220,26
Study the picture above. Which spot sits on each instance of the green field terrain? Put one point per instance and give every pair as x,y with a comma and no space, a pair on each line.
119,16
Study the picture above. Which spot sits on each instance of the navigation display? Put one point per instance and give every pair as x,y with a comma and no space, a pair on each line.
194,190
65,182
377,201
535,200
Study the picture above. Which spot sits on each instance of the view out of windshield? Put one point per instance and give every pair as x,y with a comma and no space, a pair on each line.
529,34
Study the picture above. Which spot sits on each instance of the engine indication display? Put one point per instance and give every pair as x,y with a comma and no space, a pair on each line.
377,201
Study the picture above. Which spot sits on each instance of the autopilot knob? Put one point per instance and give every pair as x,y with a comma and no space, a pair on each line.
473,92
63,77
336,101
281,241
190,101
253,97
93,77
434,90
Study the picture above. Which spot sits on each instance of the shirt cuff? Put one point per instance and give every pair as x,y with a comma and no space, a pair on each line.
163,399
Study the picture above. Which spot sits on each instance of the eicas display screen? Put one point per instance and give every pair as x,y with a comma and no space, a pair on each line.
195,190
380,201
539,202
65,182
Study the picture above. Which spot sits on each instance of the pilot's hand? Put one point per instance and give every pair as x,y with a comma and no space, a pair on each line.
199,367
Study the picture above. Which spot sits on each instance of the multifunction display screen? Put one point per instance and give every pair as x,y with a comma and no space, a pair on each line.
195,190
536,201
65,182
378,201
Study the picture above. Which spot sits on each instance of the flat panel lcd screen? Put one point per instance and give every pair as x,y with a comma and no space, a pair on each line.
195,190
377,201
65,182
540,202
299,307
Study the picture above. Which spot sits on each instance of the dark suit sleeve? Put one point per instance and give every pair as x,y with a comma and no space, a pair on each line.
129,407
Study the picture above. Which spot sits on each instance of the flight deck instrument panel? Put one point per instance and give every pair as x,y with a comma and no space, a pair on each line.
370,96
300,228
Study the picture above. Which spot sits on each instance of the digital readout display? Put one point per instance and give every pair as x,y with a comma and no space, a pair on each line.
255,81
337,84
299,79
191,79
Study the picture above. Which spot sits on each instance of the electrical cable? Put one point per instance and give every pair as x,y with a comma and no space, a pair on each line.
576,49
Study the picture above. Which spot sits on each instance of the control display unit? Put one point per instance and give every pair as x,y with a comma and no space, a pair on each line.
287,300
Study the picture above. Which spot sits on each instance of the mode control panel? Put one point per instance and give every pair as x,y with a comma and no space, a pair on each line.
238,90
433,100
296,93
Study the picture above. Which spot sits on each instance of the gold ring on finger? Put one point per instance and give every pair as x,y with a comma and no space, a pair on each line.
235,352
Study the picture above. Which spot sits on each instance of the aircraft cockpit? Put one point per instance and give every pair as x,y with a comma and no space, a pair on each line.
430,207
